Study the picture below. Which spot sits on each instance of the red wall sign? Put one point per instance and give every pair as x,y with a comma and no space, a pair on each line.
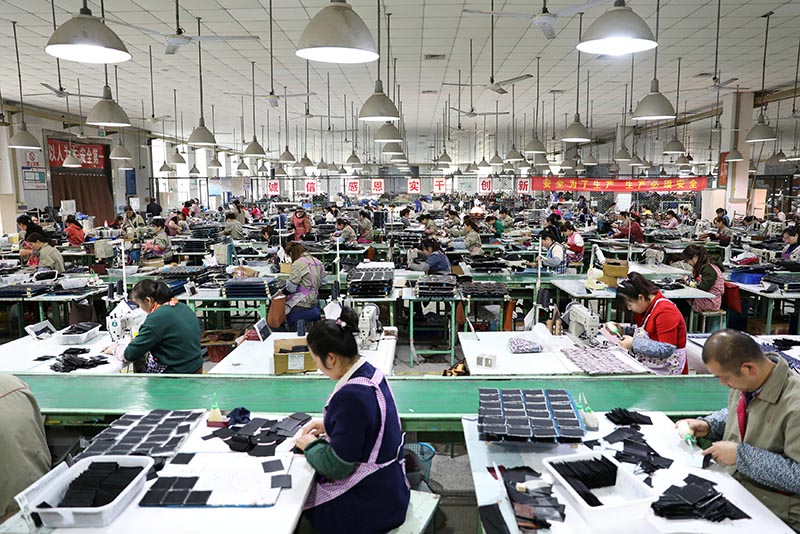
92,156
414,186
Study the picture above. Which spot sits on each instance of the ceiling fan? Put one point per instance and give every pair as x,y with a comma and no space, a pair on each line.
471,113
544,20
497,87
273,99
180,38
307,113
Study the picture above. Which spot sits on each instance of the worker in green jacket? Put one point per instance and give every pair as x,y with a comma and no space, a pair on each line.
169,337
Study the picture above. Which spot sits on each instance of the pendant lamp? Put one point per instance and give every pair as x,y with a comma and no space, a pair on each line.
254,148
22,138
379,107
120,152
484,165
165,168
614,167
336,34
496,159
107,113
622,154
540,160
577,132
674,146
176,158
71,161
322,166
306,163
242,166
86,39
734,155
391,149
535,146
388,133
279,170
616,32
761,133
201,136
567,163
635,161
353,161
262,169
654,106
590,160
194,171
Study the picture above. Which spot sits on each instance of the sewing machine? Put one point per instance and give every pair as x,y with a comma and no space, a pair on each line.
654,256
123,320
773,229
701,228
368,335
583,325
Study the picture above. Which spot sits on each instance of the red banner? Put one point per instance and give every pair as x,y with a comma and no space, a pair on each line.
273,188
485,185
414,186
311,187
377,186
91,156
353,185
439,185
523,186
675,183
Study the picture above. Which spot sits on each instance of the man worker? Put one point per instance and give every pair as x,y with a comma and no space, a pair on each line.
758,434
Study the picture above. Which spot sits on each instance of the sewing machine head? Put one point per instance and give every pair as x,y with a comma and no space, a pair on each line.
124,320
368,335
583,324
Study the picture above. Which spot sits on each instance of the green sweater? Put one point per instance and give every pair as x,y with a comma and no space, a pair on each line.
172,335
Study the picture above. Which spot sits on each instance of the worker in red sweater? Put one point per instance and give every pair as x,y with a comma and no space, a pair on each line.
630,225
658,341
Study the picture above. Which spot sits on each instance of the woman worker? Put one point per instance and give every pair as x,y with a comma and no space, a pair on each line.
160,245
344,232
302,287
706,276
791,252
430,227
659,339
364,227
28,227
672,220
555,259
435,262
74,231
301,223
472,238
49,257
575,245
169,337
357,448
630,228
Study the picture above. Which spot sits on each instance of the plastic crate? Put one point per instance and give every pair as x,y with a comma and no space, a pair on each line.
746,278
53,486
425,452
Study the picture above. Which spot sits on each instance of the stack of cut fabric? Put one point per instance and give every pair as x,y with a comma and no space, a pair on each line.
22,290
483,289
246,288
375,283
435,285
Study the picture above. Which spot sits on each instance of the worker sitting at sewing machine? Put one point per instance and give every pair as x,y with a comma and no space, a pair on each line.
344,232
160,245
791,252
49,256
472,238
430,227
495,226
428,258
672,220
750,224
555,259
575,246
132,219
658,340
706,276
302,287
233,227
364,227
168,339
630,228
778,215
722,233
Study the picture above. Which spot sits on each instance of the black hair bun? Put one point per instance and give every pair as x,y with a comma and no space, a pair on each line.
349,320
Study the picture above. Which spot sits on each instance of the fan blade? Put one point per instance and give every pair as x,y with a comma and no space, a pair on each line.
460,110
223,37
172,47
514,80
512,14
85,96
249,95
490,113
295,95
497,89
50,87
41,94
574,10
727,82
462,84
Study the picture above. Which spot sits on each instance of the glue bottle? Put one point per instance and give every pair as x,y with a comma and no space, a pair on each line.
589,417
215,415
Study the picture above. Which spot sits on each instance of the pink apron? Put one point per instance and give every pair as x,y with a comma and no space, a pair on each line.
672,365
326,490
717,290
315,269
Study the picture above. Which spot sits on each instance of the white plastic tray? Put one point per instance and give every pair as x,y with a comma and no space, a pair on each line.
52,487
77,339
629,498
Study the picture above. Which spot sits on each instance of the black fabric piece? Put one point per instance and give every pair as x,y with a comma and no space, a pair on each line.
175,497
153,498
185,483
262,450
197,498
492,519
622,434
251,428
272,466
182,458
282,481
586,475
698,499
223,432
621,416
99,485
163,483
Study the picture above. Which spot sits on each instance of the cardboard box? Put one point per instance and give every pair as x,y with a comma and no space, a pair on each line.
292,362
616,268
286,268
610,281
758,325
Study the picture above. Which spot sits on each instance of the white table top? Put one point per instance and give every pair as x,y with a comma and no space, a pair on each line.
662,437
213,295
18,356
576,289
757,289
658,269
257,358
279,519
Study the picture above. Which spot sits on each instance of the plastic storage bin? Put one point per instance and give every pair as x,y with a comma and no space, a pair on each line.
741,277
628,498
52,487
77,339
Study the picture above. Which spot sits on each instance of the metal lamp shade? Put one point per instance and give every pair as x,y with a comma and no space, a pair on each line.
622,154
353,161
635,161
242,166
576,132
484,165
86,39
379,107
306,163
540,160
590,160
734,155
287,157
399,158
194,170
322,166
496,159
202,136
262,169
445,158
391,149
674,146
175,158
71,161
514,155
388,133
254,148
279,170
616,32
24,139
682,160
654,106
107,112
567,163
214,163
336,34
614,167
535,146
165,168
120,152
760,132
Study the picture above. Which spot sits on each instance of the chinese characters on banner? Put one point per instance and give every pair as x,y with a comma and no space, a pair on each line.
311,187
377,186
677,183
523,186
273,188
353,186
91,156
439,186
485,185
414,186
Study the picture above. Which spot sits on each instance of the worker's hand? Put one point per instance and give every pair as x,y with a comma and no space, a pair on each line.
626,342
110,349
305,440
315,427
698,426
723,452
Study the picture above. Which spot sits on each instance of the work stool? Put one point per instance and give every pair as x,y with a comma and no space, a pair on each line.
577,265
704,315
421,509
